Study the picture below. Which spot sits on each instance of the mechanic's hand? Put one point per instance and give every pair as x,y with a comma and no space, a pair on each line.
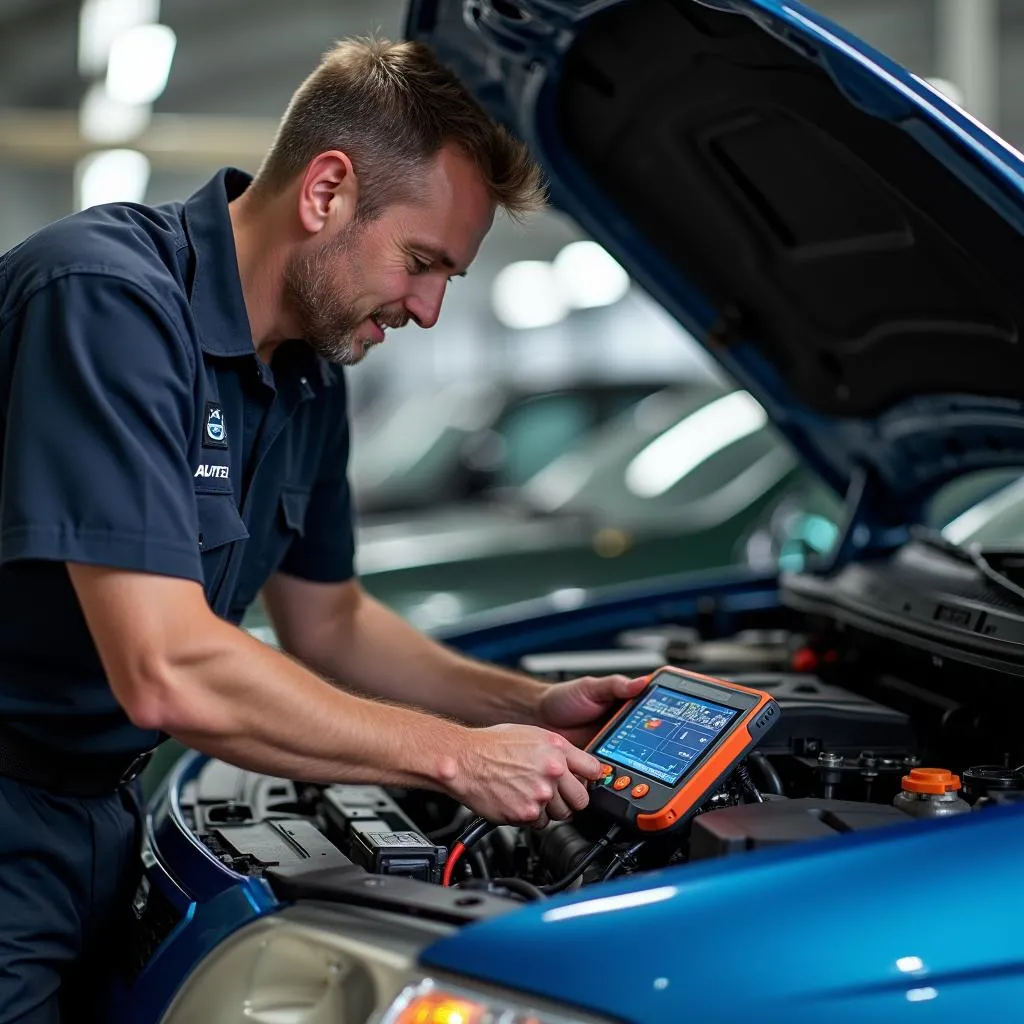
579,708
522,775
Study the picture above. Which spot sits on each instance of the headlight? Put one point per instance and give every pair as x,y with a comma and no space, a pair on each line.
304,965
436,1001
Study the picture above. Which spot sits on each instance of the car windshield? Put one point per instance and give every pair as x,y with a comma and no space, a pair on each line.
995,522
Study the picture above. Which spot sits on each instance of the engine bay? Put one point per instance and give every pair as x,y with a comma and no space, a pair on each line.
858,716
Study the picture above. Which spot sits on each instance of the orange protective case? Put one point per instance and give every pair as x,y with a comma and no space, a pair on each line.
714,765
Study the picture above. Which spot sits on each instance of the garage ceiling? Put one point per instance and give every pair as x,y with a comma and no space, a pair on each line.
234,57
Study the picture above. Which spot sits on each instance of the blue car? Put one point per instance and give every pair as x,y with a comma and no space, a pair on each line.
849,245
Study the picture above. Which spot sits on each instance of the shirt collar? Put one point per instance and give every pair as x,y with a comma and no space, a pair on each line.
216,296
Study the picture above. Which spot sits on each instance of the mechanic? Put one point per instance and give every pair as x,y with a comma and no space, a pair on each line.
175,442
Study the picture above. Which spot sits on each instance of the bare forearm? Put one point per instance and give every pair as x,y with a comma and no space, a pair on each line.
259,709
372,650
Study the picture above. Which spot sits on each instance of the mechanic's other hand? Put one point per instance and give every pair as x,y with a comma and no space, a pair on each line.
522,775
577,709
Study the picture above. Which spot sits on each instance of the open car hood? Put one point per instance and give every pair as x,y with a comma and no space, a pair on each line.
845,241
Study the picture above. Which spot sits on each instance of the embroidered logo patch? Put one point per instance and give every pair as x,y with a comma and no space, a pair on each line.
220,472
216,433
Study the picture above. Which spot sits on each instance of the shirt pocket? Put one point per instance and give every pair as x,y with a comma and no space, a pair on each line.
283,521
220,528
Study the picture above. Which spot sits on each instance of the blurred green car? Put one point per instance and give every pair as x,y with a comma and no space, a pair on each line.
688,478
462,442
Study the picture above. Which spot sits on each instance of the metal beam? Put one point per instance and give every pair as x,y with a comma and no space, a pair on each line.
47,138
967,52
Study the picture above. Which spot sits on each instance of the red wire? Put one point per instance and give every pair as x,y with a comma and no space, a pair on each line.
457,851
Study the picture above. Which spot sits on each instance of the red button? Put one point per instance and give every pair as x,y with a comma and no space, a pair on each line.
621,782
606,770
640,789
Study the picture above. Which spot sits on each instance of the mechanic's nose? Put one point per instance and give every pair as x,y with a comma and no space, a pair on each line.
424,305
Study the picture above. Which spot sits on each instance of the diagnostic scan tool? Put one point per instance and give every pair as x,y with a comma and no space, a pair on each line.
667,751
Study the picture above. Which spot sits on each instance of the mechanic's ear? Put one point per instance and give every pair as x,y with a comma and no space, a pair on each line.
328,193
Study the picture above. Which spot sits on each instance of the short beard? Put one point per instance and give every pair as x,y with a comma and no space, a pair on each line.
327,320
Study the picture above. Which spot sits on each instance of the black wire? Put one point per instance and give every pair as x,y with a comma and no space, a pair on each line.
769,773
474,832
479,862
585,861
445,832
742,773
621,859
521,888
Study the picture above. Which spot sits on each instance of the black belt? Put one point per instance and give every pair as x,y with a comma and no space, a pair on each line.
62,772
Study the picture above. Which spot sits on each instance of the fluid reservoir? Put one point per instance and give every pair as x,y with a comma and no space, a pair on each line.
981,781
930,793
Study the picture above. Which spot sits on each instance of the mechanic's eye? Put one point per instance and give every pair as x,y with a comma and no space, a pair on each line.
419,266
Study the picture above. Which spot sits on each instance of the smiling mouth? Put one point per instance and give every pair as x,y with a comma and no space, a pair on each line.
386,322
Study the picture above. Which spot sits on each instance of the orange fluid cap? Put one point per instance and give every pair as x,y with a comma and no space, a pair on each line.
931,780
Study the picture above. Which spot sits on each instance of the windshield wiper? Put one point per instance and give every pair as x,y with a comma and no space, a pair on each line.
967,553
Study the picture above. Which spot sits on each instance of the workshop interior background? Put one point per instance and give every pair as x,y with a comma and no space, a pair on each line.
86,117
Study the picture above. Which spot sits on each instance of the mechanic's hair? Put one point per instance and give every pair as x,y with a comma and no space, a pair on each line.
390,107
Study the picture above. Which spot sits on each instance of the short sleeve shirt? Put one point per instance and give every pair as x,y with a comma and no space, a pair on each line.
141,431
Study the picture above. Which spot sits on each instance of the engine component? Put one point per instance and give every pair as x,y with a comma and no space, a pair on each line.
659,638
223,795
752,650
369,807
984,780
930,793
558,666
562,847
378,835
822,716
253,848
397,853
778,822
866,775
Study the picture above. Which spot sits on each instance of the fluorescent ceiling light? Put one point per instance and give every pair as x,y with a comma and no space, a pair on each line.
140,63
113,176
589,277
527,294
106,121
692,441
100,22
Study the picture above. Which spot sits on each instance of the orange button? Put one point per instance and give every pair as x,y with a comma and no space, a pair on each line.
640,789
621,782
606,770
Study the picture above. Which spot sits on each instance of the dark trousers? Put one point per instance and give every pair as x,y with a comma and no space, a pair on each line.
67,866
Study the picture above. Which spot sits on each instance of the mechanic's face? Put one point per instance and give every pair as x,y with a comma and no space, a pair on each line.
382,273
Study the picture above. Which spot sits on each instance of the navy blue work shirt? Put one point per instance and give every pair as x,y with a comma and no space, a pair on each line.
141,431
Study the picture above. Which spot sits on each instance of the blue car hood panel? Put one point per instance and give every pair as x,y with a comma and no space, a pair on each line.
861,928
845,241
